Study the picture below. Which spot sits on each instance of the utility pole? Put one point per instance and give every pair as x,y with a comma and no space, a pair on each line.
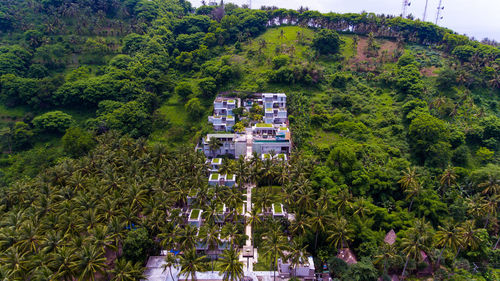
425,10
438,14
406,3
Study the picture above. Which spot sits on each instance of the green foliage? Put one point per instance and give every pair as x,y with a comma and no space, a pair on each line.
280,61
327,42
406,59
428,136
130,118
53,122
408,81
137,245
208,87
184,90
194,108
77,142
362,271
484,154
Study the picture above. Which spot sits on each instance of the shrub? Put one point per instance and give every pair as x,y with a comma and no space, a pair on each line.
53,122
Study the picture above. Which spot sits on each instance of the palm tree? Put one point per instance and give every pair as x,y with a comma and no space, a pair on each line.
190,263
274,246
447,236
214,144
469,237
90,260
231,267
409,179
298,253
448,178
127,271
300,225
389,254
319,219
210,238
253,219
170,261
187,237
492,185
340,233
416,241
62,262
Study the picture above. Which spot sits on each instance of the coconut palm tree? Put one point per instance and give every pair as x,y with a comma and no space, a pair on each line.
447,236
274,245
231,266
300,225
191,263
447,179
187,237
127,271
416,241
253,219
319,219
469,237
297,254
170,261
214,144
210,238
490,186
89,261
340,233
388,254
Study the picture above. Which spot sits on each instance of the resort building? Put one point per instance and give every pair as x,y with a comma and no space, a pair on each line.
229,144
194,218
222,180
274,108
304,270
268,138
223,118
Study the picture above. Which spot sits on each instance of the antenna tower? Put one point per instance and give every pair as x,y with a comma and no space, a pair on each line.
438,14
406,3
425,10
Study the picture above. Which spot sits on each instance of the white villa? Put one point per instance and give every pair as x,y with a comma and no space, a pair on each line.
231,144
223,118
274,108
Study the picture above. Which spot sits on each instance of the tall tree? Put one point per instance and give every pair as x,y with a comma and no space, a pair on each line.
231,266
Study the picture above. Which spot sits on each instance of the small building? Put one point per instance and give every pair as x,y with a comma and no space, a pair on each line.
278,211
222,180
304,270
155,272
215,164
194,218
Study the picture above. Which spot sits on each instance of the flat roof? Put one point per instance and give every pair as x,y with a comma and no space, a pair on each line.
221,136
263,125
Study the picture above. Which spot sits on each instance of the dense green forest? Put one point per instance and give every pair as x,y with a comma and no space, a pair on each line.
395,124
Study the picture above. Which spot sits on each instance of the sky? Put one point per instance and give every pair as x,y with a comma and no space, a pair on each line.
477,18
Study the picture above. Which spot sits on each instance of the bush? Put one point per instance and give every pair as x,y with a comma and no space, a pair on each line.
137,245
280,61
184,90
327,42
194,108
77,142
208,87
53,122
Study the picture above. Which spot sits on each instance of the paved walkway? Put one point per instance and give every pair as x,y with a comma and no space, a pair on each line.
249,136
248,262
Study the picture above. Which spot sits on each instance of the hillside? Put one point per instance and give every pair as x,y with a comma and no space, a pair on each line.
395,125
